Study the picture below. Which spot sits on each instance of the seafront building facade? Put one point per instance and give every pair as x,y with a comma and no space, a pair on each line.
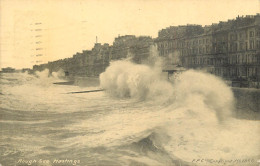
229,49
93,62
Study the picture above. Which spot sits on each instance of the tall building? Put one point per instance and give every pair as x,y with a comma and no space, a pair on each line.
93,62
228,49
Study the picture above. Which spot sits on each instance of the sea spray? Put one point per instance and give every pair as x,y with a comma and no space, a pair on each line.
102,130
42,74
46,74
126,79
193,87
196,123
60,74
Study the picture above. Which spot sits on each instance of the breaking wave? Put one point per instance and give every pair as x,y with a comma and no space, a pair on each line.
196,121
175,122
191,89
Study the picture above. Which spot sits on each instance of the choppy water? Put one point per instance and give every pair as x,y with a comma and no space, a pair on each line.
141,119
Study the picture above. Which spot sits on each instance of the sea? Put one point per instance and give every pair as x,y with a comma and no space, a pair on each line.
140,119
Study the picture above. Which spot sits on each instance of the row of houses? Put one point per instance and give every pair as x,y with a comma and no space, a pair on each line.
229,49
93,62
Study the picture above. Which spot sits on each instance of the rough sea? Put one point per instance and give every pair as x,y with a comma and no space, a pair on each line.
141,119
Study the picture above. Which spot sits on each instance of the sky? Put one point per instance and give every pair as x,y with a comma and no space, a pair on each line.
38,31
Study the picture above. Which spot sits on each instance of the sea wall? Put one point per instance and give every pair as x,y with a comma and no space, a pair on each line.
247,103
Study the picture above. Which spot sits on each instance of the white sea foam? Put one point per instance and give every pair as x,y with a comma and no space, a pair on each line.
191,89
198,118
125,79
190,118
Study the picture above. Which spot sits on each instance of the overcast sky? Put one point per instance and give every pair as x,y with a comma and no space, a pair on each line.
55,29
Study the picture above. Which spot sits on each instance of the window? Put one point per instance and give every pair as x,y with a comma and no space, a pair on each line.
231,47
257,33
258,44
251,44
252,34
231,37
241,46
235,46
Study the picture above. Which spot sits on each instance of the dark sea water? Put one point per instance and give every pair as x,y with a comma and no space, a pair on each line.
133,122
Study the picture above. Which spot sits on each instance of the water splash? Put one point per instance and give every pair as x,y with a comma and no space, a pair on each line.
191,89
126,79
198,117
203,91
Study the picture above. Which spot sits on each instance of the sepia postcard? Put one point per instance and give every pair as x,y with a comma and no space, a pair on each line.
129,83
